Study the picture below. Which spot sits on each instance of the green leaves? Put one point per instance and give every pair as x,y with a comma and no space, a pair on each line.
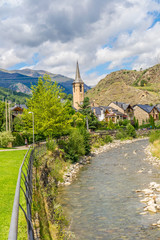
51,116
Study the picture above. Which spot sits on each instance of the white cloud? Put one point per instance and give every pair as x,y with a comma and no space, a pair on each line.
63,32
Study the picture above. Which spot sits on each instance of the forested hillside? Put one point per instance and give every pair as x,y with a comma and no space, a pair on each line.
14,97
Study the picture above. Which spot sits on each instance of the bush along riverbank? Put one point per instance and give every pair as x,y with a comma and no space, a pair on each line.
51,168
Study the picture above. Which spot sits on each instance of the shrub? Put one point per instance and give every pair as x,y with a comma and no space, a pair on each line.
121,134
5,138
143,83
157,124
87,138
74,146
111,125
135,123
124,122
147,125
130,130
108,139
51,144
154,136
97,142
151,121
19,139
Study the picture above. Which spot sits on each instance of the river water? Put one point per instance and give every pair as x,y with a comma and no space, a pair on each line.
102,203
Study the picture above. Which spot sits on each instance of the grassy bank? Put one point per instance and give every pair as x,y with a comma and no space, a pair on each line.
9,164
48,217
155,143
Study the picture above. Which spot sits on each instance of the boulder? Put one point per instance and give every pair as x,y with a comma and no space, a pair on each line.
147,191
158,200
152,208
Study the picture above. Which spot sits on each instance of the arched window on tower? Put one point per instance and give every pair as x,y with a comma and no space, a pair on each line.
80,87
73,88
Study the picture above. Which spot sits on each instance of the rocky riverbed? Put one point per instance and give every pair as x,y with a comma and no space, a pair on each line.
73,170
150,196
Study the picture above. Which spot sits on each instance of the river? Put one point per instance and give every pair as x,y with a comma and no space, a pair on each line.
102,203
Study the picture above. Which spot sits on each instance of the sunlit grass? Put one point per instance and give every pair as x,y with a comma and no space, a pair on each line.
156,149
10,162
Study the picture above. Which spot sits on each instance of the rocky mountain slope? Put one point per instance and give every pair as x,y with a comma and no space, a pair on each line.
20,87
27,77
128,86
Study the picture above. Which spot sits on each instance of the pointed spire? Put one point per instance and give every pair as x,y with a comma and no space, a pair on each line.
78,77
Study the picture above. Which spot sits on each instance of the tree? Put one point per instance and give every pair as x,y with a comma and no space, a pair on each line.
86,110
111,125
18,124
70,97
136,123
2,115
78,120
130,130
51,116
151,121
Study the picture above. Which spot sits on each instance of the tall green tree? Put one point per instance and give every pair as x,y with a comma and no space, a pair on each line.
151,121
86,110
51,115
2,115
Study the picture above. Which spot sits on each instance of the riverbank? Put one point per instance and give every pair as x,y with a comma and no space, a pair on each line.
74,169
102,202
150,196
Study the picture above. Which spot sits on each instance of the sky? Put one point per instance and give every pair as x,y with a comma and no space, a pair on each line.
102,35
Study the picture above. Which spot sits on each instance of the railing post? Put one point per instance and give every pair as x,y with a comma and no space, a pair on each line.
14,219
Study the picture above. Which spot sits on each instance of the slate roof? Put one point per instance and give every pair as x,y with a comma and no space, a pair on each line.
97,110
104,108
124,106
113,110
147,108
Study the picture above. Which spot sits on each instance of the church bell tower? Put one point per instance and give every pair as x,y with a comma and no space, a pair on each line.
78,89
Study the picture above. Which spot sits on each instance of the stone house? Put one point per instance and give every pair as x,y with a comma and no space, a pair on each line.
17,109
107,113
124,108
114,115
143,112
99,113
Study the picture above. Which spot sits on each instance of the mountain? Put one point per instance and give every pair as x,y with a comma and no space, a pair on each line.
128,86
27,77
14,97
20,87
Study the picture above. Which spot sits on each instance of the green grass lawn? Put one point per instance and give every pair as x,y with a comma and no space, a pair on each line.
9,167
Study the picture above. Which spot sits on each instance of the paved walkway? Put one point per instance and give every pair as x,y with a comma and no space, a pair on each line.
15,149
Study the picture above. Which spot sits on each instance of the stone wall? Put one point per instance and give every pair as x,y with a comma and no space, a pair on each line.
140,114
116,107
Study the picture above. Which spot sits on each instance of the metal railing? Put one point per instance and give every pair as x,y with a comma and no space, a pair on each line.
24,185
24,180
